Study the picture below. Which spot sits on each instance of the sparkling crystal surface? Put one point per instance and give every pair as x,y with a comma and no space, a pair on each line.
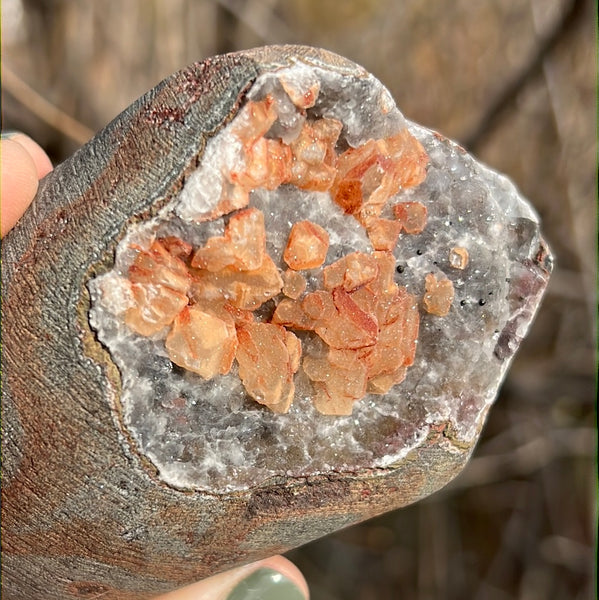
463,232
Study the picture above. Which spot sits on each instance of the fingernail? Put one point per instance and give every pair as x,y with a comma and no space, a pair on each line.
266,584
8,133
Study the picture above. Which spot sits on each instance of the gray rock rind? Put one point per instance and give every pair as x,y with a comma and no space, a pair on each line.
83,511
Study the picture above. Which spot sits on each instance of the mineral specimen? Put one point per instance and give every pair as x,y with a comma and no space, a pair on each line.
270,306
313,231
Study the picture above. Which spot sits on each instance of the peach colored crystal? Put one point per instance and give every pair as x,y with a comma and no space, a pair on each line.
383,233
158,267
254,120
438,296
159,284
259,167
156,306
294,284
290,313
458,257
319,305
176,247
314,158
267,161
350,326
267,165
246,290
351,271
307,246
201,342
268,356
411,215
339,380
243,245
302,98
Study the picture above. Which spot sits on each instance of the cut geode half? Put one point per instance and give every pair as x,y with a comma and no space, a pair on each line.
320,173
261,304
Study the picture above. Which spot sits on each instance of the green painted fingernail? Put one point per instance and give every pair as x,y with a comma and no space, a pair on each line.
266,584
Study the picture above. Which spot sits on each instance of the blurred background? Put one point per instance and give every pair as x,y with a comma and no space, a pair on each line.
515,82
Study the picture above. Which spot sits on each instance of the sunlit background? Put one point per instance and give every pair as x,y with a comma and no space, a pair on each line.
515,82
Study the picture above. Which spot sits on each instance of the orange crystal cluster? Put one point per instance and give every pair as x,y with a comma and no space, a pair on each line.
367,324
367,176
308,162
360,180
207,299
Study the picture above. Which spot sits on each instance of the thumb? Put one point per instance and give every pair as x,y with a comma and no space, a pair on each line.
23,163
271,579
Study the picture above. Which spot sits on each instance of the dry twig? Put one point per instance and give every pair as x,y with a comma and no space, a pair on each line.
39,106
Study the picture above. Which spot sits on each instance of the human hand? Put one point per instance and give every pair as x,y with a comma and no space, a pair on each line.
23,164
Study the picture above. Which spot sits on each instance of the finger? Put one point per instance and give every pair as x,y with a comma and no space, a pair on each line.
275,578
19,182
40,159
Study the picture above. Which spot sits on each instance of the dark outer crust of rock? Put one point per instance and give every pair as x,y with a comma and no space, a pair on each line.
83,515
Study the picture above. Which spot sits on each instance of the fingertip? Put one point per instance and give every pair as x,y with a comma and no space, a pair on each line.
19,182
40,159
289,570
274,577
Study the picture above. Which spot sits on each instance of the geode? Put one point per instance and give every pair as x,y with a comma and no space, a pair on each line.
258,306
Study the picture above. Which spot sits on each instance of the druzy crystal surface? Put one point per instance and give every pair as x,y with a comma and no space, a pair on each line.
332,283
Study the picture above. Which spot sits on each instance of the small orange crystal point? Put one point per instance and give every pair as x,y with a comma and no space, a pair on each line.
243,245
351,271
411,215
350,327
314,159
254,120
307,246
301,95
339,380
438,295
458,257
319,305
367,176
159,285
246,290
267,161
156,306
291,314
396,345
157,266
294,284
268,357
383,233
176,246
408,158
201,342
348,195
268,164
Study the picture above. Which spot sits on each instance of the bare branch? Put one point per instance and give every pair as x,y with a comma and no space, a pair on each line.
40,107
